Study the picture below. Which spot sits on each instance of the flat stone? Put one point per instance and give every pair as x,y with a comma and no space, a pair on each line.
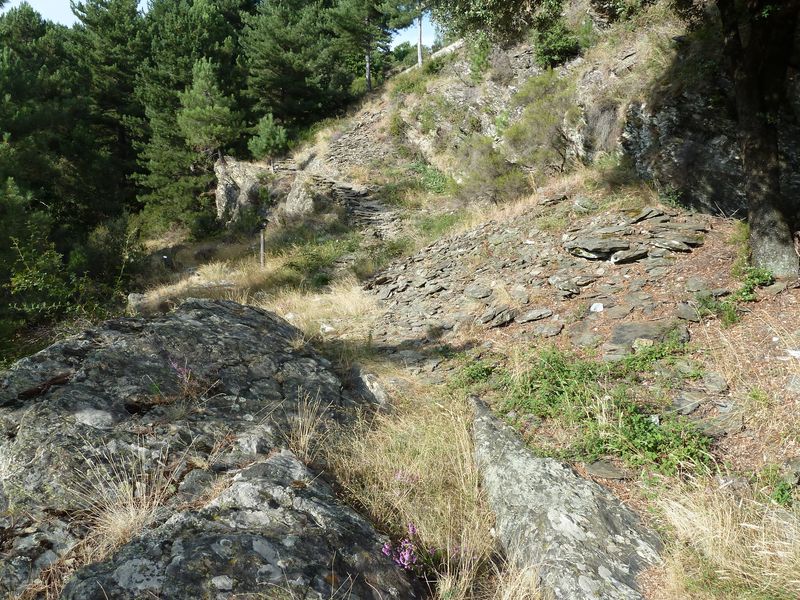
497,316
534,315
619,312
687,312
549,329
775,289
520,294
714,383
629,256
696,284
646,213
478,291
686,403
672,245
581,540
625,335
595,248
604,469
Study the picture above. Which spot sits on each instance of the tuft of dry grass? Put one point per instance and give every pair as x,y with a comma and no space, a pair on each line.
121,496
415,465
343,308
305,436
514,583
748,544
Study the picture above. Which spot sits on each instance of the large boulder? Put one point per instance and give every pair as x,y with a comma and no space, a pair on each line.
240,186
581,539
189,415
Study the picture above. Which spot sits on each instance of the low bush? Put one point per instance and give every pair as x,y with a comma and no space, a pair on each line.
538,138
488,175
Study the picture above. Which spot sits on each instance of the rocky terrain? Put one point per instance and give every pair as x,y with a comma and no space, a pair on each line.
181,427
179,455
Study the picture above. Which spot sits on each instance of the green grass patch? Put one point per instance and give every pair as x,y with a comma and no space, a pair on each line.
601,402
728,310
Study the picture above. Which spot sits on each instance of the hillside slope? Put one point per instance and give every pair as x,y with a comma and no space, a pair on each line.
543,376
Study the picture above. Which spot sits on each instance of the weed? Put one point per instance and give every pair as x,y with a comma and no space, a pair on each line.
397,126
598,399
435,226
478,53
305,436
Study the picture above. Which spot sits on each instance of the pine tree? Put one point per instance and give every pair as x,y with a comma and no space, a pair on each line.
269,141
294,69
109,44
369,24
174,176
207,118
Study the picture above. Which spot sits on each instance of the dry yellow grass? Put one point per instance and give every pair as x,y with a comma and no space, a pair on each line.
121,495
343,309
748,544
415,465
305,436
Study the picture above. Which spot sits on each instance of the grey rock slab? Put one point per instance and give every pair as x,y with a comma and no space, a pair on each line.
478,291
687,312
618,312
605,469
714,383
277,530
626,335
534,315
628,256
547,329
686,403
595,248
169,390
584,543
696,284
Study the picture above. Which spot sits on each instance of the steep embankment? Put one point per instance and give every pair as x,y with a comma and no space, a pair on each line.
647,377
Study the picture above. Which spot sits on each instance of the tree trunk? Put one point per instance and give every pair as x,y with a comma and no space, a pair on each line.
419,39
368,59
758,44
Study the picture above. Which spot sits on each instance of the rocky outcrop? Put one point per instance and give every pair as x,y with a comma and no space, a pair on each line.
240,186
511,273
583,542
193,413
313,194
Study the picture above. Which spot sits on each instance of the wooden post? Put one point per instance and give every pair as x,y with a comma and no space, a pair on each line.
261,252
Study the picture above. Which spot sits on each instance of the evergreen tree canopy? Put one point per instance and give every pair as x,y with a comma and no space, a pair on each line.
207,118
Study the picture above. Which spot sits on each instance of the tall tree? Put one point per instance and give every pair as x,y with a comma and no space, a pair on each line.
296,70
369,24
207,118
174,176
109,43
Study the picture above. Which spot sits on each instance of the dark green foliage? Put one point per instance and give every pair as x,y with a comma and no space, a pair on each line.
296,69
270,139
488,175
180,33
207,118
538,139
479,51
502,19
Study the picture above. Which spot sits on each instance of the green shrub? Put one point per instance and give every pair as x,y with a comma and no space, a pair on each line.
599,397
553,42
397,126
538,138
432,179
488,175
479,53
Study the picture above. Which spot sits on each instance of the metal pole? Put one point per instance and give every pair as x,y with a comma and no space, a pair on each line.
261,253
